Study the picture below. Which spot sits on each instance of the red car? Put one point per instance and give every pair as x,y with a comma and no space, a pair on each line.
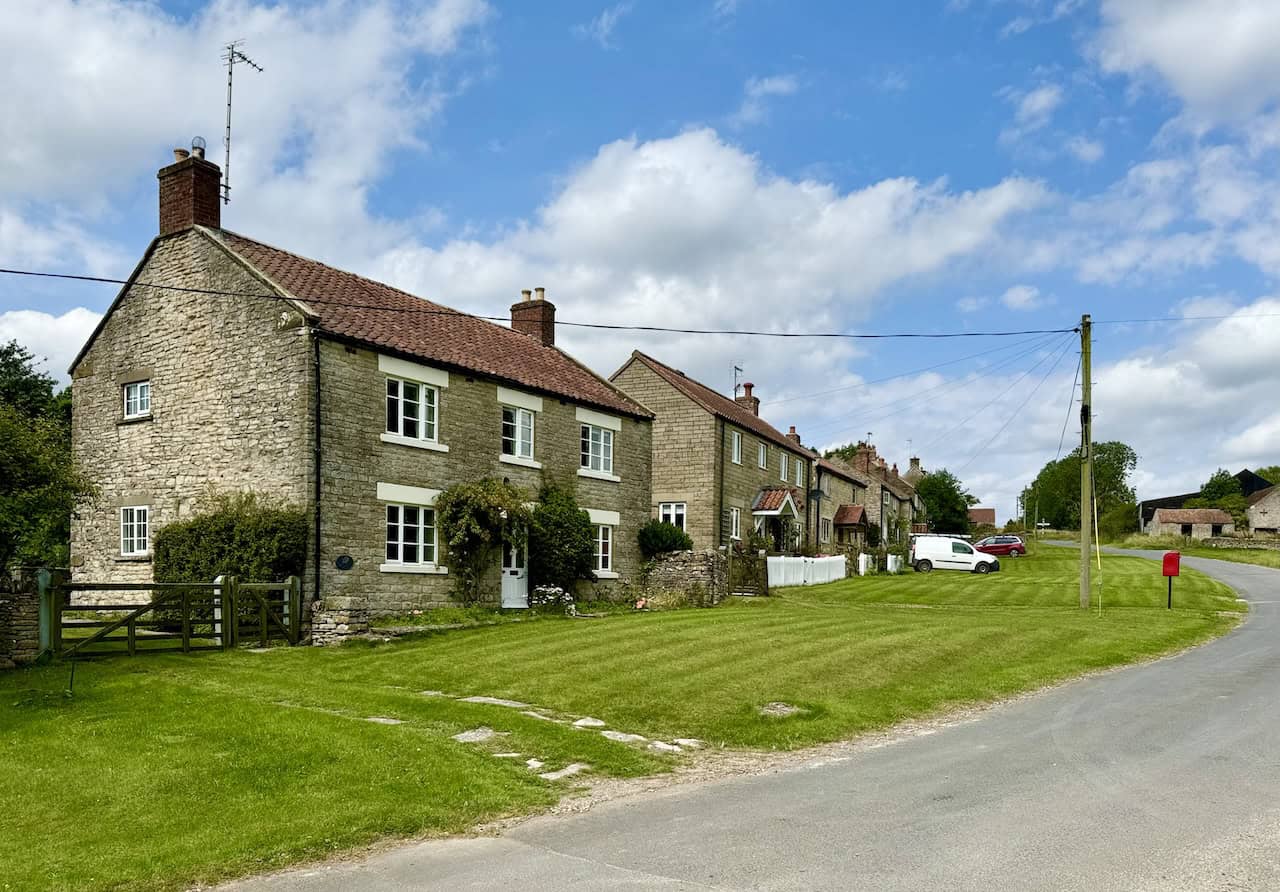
1013,546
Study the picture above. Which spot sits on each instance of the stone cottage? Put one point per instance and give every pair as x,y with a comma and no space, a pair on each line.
839,505
719,469
226,365
1264,511
892,503
1196,523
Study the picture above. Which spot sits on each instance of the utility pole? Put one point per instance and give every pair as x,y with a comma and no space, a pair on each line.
1086,457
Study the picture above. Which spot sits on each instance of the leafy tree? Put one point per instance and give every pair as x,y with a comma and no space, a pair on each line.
1271,474
945,501
478,520
1055,494
1219,485
1223,491
39,486
561,540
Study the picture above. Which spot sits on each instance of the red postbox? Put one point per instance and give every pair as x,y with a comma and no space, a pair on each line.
1172,564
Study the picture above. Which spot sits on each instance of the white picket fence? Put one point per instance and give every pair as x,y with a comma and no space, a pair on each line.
805,570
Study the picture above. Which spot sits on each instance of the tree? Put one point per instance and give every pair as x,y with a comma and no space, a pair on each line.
1118,522
1271,474
945,501
1055,494
1219,485
1223,491
22,388
561,540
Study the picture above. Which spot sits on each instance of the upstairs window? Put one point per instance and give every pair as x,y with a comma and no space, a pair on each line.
597,448
672,513
782,466
735,441
137,399
799,472
517,432
135,531
411,409
762,455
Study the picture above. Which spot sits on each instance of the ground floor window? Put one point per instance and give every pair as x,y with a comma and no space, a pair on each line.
604,548
735,523
672,513
411,534
825,530
135,530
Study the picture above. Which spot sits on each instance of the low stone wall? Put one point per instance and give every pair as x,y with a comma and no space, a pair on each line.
1224,542
334,620
702,576
19,620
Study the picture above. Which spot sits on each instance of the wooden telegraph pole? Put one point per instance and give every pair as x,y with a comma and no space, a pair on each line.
1086,457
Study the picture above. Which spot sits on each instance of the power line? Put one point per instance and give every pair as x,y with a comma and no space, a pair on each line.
595,325
1186,318
1071,401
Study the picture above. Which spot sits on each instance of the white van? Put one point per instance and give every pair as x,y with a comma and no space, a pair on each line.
949,553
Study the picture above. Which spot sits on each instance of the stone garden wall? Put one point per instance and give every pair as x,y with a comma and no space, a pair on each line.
19,620
1224,542
702,576
336,619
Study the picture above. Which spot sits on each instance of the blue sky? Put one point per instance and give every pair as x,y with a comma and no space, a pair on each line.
979,165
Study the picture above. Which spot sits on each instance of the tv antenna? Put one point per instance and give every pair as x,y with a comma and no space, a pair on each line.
231,57
737,373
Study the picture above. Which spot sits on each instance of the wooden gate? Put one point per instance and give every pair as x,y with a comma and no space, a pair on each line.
180,617
748,572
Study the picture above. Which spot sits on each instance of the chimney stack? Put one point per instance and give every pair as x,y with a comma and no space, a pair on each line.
535,317
748,400
793,436
189,192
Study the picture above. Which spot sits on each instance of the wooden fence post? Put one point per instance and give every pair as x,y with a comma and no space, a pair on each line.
231,611
294,594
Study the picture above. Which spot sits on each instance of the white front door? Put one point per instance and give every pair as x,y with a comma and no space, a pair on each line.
515,577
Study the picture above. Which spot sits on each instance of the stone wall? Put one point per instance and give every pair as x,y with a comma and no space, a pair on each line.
19,620
230,403
1198,530
1264,515
333,620
699,574
1222,542
357,459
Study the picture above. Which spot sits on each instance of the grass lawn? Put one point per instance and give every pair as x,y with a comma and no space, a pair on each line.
162,771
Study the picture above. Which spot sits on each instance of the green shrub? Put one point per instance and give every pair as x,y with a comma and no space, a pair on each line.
561,541
657,537
1118,522
245,535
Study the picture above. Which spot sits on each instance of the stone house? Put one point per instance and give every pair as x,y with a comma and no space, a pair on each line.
228,365
839,506
982,517
1196,523
892,503
719,469
1264,511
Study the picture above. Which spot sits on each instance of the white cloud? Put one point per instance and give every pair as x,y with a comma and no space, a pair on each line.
54,340
971,304
725,8
600,29
1085,149
1016,26
1222,59
1022,297
1033,110
758,90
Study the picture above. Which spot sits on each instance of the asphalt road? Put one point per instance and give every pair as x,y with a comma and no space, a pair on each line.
1163,776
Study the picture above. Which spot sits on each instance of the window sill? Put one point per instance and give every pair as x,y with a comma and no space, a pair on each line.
599,475
137,419
607,574
399,440
421,569
522,462
132,558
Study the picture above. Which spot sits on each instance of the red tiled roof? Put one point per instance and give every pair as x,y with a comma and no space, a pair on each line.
1192,515
842,470
772,498
351,306
850,515
982,515
1262,494
718,404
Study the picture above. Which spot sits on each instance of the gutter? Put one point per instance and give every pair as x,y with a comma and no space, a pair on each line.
720,498
317,459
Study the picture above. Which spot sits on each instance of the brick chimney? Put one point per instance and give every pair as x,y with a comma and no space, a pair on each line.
189,191
748,400
793,436
535,316
864,458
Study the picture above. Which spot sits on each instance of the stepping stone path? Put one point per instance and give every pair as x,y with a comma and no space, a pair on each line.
534,764
660,747
567,771
497,701
383,720
780,710
475,735
589,722
545,718
689,743
507,755
433,693
622,737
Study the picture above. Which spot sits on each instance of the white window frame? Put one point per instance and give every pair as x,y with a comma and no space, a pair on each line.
595,452
735,523
603,549
669,511
799,473
397,563
523,448
427,407
824,531
782,467
735,447
141,400
762,455
138,516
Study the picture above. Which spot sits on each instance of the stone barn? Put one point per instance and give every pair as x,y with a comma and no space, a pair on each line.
1196,523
